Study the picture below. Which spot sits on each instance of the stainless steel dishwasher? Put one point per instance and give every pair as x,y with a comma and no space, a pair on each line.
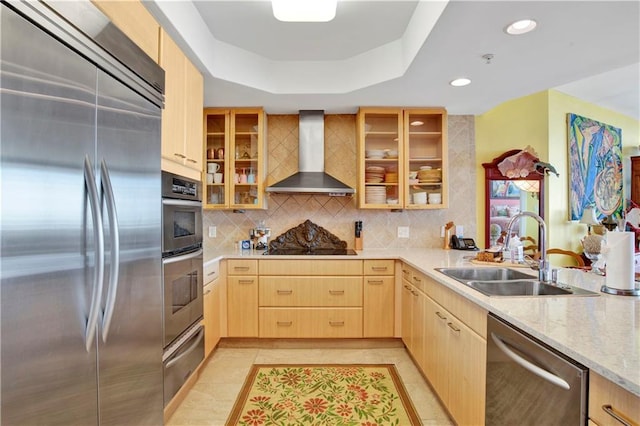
529,383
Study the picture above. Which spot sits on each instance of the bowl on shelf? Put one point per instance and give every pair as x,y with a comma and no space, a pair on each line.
374,153
392,201
391,153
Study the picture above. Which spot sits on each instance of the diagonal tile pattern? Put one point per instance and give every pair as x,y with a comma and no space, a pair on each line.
338,214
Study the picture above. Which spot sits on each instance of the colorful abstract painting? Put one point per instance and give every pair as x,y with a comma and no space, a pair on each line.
595,167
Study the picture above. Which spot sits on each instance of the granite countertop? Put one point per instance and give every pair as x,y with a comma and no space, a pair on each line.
601,332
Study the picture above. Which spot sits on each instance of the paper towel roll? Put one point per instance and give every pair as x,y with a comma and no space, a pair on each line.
620,262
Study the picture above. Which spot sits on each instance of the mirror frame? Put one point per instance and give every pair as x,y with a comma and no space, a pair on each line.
492,173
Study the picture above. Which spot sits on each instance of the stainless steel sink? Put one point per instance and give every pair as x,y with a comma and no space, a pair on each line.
509,282
484,274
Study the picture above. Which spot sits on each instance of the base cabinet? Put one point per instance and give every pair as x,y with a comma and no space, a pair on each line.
450,353
378,298
609,404
242,298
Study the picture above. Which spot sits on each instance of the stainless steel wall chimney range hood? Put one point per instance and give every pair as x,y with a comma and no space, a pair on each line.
311,177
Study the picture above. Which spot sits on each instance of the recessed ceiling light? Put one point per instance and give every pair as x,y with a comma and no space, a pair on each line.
417,123
521,27
304,10
459,82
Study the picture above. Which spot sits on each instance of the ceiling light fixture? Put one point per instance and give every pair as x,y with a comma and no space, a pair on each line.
459,82
521,27
304,10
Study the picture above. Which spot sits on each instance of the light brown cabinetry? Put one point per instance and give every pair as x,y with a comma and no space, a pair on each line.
378,298
133,19
182,114
609,404
234,146
211,311
242,298
314,299
402,158
447,339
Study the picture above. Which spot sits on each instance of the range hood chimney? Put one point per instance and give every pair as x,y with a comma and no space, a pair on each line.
311,178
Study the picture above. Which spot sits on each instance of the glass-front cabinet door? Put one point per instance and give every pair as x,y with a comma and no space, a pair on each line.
216,147
380,150
247,171
234,152
426,158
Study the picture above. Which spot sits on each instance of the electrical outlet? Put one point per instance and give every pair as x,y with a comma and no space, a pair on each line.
212,232
403,232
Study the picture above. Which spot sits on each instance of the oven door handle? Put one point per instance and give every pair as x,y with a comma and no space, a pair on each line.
114,268
540,372
98,235
183,203
182,257
190,349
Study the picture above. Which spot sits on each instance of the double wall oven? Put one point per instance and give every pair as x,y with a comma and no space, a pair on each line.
182,276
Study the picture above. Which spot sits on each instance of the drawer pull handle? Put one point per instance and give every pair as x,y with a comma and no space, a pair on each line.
336,292
440,315
407,287
415,293
191,160
336,323
179,155
417,279
285,291
245,281
453,327
607,408
379,268
206,292
241,268
284,323
377,282
211,273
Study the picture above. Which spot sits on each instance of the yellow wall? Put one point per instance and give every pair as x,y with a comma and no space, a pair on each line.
563,233
540,120
511,125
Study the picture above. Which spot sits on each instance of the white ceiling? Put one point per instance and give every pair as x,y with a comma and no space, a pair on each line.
404,53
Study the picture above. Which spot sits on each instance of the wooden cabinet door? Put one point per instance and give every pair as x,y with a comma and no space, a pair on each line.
211,311
407,316
606,400
172,60
194,102
133,19
467,373
242,306
378,303
418,327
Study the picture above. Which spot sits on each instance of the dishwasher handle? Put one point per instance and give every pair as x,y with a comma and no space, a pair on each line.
542,373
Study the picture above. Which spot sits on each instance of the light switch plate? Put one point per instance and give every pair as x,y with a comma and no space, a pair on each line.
213,232
403,232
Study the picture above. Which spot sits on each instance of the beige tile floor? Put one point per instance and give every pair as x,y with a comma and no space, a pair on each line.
211,399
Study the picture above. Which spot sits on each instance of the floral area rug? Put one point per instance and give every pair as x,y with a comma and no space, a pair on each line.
332,395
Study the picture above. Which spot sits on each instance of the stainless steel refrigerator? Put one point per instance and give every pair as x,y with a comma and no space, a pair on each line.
80,266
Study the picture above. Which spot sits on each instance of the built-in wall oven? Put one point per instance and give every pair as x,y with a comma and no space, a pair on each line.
182,275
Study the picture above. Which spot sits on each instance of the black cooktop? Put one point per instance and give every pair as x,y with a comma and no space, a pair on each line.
316,252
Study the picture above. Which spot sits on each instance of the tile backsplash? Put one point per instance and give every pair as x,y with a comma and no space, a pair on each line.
338,214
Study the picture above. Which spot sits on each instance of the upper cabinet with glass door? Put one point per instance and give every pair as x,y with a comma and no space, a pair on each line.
234,151
380,151
402,158
425,137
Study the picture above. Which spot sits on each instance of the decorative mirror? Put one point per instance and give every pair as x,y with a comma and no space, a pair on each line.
506,195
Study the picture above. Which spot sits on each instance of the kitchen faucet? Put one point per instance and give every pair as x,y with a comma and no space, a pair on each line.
543,263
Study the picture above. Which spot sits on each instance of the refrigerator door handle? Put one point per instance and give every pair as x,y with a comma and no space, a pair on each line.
190,349
114,267
540,372
98,232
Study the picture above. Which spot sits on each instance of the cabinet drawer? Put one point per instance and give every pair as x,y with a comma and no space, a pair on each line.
310,267
310,291
606,395
242,266
311,322
379,267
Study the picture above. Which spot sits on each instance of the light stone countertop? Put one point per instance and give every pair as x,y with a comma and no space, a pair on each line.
601,332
